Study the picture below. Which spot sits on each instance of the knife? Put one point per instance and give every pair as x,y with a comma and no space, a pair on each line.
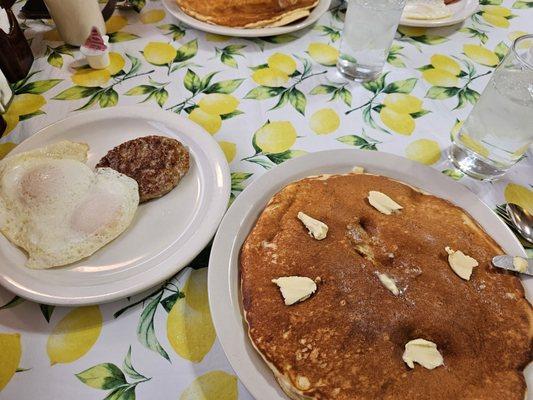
507,262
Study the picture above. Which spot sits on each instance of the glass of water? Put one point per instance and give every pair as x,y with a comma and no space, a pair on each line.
369,28
499,130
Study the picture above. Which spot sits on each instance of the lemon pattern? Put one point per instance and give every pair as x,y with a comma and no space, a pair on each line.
74,335
265,101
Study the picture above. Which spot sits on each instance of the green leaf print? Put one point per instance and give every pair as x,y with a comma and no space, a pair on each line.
227,53
286,155
377,84
279,39
108,98
38,87
237,179
298,100
15,301
323,89
501,50
263,92
176,31
145,329
490,2
76,92
337,92
476,33
329,31
103,376
523,4
455,174
359,141
140,90
187,51
138,5
47,311
231,114
127,366
440,93
402,86
117,37
225,87
122,393
192,81
55,59
31,115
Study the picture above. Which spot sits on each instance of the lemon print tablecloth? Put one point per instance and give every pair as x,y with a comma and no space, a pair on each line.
264,101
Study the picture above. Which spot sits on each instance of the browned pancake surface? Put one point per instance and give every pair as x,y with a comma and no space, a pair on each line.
347,340
157,163
240,13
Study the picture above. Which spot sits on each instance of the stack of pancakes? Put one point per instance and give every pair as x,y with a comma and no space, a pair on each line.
248,13
347,340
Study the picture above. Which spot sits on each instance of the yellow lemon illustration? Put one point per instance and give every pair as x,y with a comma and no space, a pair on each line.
152,16
229,149
515,35
481,55
10,351
440,77
445,63
424,151
497,10
401,123
412,31
495,20
324,121
88,77
282,62
520,195
215,385
210,122
5,148
213,37
115,23
52,36
323,53
474,145
270,77
159,53
403,103
218,103
11,120
189,327
26,103
275,137
74,335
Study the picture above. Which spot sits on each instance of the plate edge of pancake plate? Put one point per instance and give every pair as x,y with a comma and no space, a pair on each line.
223,274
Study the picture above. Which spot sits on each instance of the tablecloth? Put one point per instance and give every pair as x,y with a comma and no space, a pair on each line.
161,344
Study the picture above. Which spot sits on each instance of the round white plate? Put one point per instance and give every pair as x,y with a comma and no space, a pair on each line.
460,10
223,281
173,8
166,233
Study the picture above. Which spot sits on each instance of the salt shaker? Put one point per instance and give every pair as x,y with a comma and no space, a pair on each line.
16,57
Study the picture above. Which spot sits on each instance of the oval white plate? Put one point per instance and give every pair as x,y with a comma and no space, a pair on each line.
223,281
460,10
173,8
166,233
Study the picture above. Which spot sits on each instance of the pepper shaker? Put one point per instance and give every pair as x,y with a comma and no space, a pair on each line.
16,57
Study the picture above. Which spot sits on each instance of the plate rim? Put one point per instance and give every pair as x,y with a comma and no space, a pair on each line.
221,296
219,167
172,7
471,7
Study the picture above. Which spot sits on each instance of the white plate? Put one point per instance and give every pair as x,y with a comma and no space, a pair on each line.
166,233
460,10
223,281
173,8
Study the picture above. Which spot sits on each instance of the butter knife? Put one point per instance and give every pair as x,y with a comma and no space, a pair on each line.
507,262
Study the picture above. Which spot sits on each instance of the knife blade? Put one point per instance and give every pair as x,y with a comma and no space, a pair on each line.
508,262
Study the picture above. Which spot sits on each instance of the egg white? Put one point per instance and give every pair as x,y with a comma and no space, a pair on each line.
57,209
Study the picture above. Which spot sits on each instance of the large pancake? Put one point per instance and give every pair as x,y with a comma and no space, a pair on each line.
248,13
347,340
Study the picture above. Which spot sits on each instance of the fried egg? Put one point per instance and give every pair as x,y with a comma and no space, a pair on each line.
425,9
58,209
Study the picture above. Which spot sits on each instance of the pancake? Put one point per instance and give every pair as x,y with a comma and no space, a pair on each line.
347,340
248,13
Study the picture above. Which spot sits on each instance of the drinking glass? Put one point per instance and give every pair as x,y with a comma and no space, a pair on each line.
369,28
499,130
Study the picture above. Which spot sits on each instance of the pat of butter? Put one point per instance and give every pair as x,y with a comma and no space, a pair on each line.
519,264
461,264
389,284
317,229
422,352
295,288
358,170
382,202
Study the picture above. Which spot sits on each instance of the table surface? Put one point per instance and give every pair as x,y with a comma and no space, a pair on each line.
122,349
